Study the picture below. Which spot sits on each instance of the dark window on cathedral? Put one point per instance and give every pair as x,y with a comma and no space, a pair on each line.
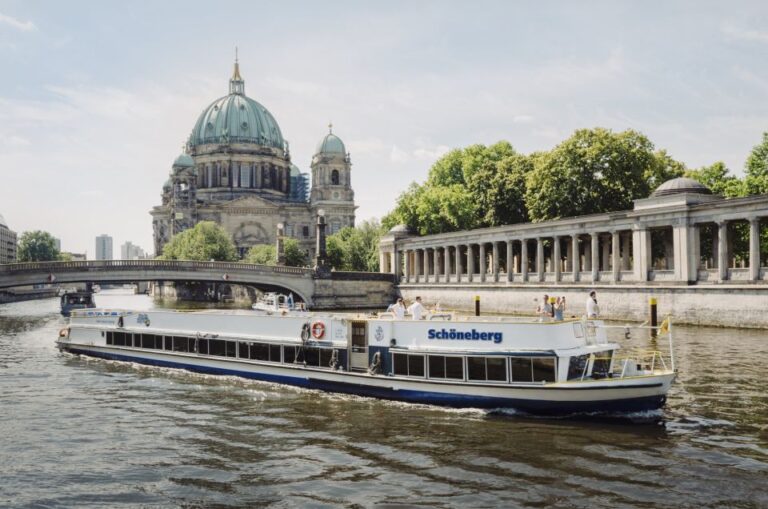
305,231
335,177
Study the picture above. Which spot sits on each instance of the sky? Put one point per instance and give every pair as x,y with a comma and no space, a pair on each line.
97,98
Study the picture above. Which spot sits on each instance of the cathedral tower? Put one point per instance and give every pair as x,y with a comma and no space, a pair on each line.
332,183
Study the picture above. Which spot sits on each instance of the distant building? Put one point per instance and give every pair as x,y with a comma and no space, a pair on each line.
57,243
236,170
77,257
7,243
104,247
129,251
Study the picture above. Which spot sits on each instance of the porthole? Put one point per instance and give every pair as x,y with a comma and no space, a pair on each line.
244,126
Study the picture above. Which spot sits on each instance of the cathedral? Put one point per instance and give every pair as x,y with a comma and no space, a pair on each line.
236,170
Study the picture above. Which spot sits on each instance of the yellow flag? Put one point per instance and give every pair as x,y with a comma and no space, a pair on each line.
664,329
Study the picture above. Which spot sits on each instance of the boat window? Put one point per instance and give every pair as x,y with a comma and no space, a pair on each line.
577,366
216,347
543,369
110,338
168,342
601,366
231,349
202,346
325,357
181,344
521,369
242,350
289,354
274,353
408,365
119,338
312,356
487,368
441,366
152,341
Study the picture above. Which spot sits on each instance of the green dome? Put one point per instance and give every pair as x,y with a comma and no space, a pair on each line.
184,161
331,144
236,118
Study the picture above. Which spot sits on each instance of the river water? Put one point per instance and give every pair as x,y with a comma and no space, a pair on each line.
78,432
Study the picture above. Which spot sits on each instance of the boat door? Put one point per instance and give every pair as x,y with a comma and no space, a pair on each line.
358,348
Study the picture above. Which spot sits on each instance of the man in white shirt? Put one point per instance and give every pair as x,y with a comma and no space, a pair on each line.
398,309
593,310
416,309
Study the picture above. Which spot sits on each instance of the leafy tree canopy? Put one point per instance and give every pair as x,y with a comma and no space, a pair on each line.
205,242
718,179
355,249
263,254
756,168
37,246
294,255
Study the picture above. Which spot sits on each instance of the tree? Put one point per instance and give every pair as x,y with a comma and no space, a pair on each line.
263,254
37,246
756,168
205,242
294,255
593,171
355,248
718,179
663,168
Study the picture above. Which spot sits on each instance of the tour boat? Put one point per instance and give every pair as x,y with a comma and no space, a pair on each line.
76,300
482,362
271,302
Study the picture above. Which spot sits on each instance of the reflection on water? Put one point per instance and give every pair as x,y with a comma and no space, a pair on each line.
80,432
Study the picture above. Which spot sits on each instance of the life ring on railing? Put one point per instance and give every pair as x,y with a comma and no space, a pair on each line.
318,330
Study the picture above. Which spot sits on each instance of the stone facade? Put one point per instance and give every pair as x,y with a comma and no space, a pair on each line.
8,243
237,172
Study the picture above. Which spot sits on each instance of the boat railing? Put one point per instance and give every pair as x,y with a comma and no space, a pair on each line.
665,328
643,361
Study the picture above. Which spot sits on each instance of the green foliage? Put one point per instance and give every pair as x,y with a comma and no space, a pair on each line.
663,168
717,177
65,257
355,249
37,246
756,169
263,254
595,170
294,255
205,242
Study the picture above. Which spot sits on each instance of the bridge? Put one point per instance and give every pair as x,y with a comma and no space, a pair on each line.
336,289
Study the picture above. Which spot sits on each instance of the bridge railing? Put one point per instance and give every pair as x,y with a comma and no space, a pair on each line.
98,265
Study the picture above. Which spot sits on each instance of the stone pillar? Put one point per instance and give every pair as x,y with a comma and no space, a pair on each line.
556,258
436,264
483,262
625,251
722,250
684,253
407,258
606,255
595,265
641,247
524,259
280,244
446,264
510,262
470,262
416,268
459,269
568,256
575,257
321,266
396,264
496,267
426,264
754,249
539,259
616,256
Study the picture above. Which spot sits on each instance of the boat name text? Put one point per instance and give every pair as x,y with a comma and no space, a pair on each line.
473,335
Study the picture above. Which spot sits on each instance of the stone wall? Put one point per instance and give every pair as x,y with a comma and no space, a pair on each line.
723,305
344,292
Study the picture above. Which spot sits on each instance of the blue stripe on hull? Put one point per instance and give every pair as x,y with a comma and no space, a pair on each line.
539,407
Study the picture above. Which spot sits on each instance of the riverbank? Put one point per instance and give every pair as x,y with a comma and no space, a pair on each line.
742,306
20,295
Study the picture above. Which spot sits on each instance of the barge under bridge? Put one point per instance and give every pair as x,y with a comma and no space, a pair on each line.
319,289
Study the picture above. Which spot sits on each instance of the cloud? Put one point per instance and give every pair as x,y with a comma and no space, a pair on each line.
14,141
24,26
744,34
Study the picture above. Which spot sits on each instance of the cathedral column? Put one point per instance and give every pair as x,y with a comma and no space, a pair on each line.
496,264
510,261
524,259
556,258
470,262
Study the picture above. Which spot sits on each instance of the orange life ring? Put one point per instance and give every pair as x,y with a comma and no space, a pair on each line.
318,330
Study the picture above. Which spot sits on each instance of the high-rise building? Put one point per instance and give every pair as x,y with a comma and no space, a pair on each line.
57,242
129,251
7,243
104,247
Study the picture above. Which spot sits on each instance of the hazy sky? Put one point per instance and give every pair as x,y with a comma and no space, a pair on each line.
97,98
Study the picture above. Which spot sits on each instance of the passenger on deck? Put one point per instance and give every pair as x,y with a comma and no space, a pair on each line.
417,309
545,308
593,310
398,309
559,308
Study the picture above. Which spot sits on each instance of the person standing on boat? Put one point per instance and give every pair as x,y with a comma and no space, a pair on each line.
545,309
398,309
593,310
417,309
558,309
